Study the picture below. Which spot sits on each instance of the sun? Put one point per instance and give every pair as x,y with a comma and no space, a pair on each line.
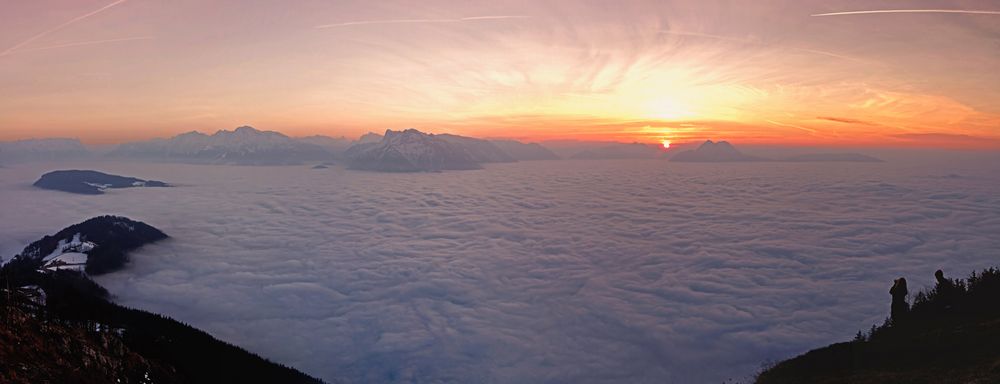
666,144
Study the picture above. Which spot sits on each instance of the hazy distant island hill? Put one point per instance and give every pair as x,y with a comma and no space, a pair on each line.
61,327
723,152
90,182
242,146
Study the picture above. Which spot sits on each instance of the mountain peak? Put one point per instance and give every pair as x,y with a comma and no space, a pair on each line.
720,151
407,131
247,129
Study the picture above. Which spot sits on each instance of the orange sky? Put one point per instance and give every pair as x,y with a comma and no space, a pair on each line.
770,72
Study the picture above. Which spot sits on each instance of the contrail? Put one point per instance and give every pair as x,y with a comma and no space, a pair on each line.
972,12
60,26
81,43
419,21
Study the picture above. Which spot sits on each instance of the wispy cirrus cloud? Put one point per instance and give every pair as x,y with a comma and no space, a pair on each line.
46,32
881,11
422,21
85,43
748,41
845,120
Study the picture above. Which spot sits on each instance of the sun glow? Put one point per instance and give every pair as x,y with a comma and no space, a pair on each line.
666,144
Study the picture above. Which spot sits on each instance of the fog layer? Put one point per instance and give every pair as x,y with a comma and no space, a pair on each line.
637,271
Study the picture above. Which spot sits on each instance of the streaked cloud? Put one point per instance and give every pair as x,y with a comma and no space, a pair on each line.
728,67
85,43
844,120
421,21
59,27
882,11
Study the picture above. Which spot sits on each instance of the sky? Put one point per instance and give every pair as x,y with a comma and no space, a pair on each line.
767,72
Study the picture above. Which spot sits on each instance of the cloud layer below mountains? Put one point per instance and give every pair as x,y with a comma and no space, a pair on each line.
556,272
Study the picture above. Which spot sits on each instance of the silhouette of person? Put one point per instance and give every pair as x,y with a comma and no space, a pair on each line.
945,289
899,305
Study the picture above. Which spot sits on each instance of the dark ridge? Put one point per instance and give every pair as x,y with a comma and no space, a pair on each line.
949,335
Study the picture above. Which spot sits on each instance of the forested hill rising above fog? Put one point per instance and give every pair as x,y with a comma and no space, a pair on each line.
949,335
60,326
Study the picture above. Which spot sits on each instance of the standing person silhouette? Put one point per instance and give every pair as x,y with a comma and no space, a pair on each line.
899,305
945,290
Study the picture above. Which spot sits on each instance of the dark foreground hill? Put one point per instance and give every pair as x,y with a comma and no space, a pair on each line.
950,335
59,326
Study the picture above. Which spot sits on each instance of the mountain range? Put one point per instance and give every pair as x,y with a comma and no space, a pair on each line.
242,146
620,151
413,151
42,150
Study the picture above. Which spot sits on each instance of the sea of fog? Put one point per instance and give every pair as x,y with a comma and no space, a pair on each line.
629,271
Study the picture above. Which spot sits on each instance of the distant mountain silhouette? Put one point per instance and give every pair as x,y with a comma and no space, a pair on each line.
90,182
724,152
712,152
833,157
620,151
335,145
242,146
42,150
525,151
480,150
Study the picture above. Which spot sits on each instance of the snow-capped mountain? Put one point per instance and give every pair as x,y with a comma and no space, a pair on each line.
712,152
244,145
98,245
410,151
42,149
524,151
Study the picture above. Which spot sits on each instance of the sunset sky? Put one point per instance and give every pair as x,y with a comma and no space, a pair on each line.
769,72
